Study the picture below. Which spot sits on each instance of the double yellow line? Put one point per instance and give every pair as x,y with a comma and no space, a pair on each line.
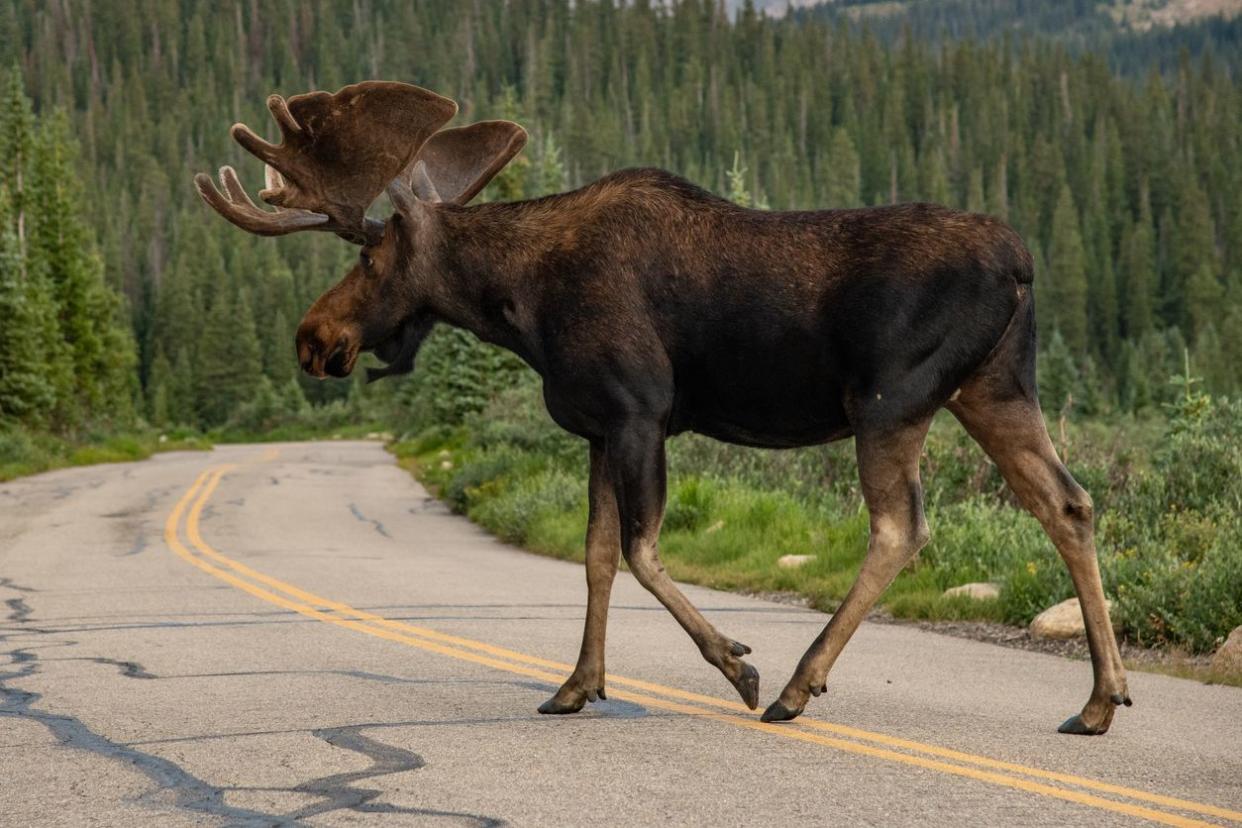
1066,787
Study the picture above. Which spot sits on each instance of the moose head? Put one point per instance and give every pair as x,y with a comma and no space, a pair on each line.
337,154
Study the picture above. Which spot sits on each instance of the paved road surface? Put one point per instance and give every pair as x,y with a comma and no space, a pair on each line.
298,634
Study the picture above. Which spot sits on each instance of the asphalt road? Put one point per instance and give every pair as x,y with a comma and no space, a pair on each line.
298,634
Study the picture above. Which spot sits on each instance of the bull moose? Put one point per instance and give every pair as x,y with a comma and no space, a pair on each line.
650,307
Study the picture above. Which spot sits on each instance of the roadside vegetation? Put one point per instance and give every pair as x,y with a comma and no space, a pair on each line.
24,452
1168,492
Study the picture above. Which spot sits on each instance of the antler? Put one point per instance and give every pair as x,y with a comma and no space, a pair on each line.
337,154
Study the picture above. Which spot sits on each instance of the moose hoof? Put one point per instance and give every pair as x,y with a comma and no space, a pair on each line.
556,707
739,649
778,712
747,685
1077,726
1081,724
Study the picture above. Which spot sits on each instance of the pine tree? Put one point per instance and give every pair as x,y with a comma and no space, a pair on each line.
1137,278
158,409
1060,381
843,177
1204,293
183,391
229,361
549,174
1133,384
1193,250
16,138
1067,293
26,394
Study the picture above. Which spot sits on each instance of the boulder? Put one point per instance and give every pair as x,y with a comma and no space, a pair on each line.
794,561
980,590
1063,620
1228,657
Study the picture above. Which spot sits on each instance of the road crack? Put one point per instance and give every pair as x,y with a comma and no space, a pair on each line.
189,792
379,527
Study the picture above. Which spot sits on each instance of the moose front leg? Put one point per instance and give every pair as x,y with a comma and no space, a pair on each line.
635,456
603,548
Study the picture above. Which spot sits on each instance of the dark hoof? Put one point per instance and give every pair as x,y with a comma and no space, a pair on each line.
747,685
739,649
1076,726
818,691
778,712
1117,698
554,707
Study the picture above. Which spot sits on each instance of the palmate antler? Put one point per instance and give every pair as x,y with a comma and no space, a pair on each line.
337,154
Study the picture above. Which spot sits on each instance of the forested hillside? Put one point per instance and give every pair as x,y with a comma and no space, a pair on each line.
1134,35
1125,188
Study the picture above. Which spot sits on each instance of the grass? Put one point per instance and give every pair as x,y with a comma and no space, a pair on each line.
1169,530
24,452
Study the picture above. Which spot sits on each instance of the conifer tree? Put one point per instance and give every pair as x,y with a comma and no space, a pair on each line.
1193,250
1137,278
159,412
1067,294
26,394
843,177
1060,381
1204,293
230,363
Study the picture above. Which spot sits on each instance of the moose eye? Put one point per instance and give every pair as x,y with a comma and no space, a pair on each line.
366,260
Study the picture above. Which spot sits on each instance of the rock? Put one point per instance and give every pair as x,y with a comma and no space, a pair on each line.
1227,660
794,561
980,591
1063,620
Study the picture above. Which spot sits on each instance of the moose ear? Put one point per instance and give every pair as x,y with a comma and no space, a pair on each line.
455,164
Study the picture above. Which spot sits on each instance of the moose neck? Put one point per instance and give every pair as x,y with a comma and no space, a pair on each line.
491,258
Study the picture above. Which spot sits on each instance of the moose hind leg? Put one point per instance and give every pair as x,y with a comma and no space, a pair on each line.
603,548
1013,433
888,468
636,461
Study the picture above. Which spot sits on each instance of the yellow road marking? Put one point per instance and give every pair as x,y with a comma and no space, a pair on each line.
343,615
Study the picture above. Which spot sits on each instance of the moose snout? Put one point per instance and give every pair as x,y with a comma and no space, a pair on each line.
326,350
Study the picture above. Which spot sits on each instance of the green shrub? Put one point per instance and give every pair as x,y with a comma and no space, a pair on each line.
689,505
514,507
1168,497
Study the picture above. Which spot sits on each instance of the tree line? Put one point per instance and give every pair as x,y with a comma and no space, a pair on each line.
1123,185
67,356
